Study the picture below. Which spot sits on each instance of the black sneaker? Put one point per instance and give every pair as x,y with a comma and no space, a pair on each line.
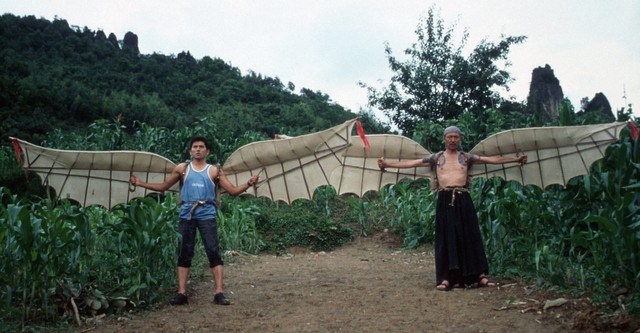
220,299
179,299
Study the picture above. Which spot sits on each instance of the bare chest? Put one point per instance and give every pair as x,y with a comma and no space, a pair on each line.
452,169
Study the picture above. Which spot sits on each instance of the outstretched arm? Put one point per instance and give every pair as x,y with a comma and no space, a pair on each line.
160,187
382,164
235,190
522,159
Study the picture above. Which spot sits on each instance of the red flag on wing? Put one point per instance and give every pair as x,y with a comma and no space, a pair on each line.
634,130
365,141
16,149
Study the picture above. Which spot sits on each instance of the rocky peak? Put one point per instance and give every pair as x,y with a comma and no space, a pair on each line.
130,42
545,94
600,104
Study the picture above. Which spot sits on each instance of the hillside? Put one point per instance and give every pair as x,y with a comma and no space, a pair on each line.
56,75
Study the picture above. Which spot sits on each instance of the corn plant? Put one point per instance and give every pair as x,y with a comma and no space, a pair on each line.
42,244
144,246
608,230
412,212
324,198
363,214
237,227
585,235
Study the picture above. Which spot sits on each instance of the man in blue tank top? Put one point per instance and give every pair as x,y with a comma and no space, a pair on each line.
198,212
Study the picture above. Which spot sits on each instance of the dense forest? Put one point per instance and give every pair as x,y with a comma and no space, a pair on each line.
68,87
57,76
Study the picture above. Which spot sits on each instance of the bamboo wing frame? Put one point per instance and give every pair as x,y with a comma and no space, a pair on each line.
555,154
94,177
293,168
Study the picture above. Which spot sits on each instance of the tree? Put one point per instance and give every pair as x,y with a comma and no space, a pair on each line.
59,76
437,83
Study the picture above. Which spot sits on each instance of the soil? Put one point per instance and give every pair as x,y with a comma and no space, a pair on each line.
370,285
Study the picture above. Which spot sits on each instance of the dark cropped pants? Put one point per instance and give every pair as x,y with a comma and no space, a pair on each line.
208,232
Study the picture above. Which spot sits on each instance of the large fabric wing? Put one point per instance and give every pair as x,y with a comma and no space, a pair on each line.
359,172
294,167
555,154
94,177
290,168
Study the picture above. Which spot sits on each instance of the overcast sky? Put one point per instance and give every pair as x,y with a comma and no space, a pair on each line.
592,45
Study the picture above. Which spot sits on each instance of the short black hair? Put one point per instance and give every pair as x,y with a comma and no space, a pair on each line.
200,138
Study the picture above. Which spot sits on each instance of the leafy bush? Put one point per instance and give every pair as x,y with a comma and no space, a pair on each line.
285,226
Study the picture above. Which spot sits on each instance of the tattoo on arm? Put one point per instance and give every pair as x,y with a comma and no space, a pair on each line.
461,159
441,161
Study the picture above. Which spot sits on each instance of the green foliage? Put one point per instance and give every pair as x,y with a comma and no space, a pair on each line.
437,82
138,242
513,224
411,212
587,237
100,135
359,213
56,252
430,133
15,179
34,238
237,228
565,113
285,226
57,76
371,124
583,237
609,230
170,143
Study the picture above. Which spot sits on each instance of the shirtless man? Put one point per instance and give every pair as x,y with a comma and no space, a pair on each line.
459,250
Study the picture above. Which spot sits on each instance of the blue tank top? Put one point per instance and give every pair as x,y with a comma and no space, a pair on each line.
198,186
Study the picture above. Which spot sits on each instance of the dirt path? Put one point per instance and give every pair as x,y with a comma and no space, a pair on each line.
370,285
